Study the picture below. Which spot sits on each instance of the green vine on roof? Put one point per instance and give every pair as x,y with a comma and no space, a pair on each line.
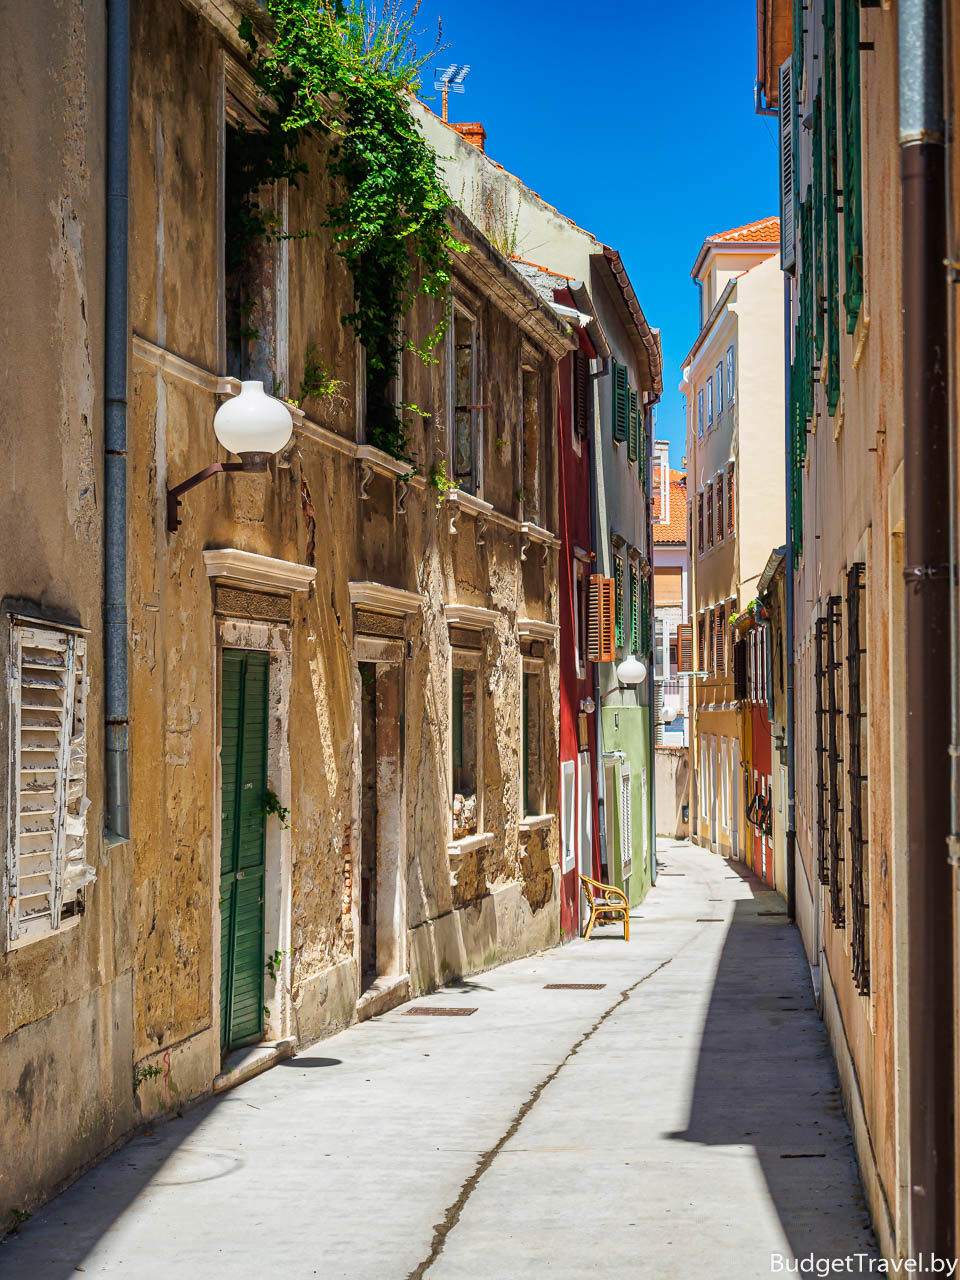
342,69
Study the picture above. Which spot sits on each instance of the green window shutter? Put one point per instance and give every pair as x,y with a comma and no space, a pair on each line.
852,168
245,676
457,718
621,407
799,9
831,180
634,611
634,427
618,600
645,618
816,250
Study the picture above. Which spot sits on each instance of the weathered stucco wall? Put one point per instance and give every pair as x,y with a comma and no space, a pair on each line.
853,510
66,1090
482,908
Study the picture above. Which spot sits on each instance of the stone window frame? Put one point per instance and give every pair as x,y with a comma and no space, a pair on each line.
471,308
467,660
535,667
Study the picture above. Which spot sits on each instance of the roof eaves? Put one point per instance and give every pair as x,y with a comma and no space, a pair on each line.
649,337
710,321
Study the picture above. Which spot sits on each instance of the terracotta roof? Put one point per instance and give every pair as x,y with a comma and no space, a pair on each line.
766,231
675,530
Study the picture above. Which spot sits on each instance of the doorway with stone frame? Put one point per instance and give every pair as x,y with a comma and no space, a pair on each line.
381,848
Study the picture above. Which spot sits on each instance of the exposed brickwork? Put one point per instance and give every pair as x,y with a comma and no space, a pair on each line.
474,133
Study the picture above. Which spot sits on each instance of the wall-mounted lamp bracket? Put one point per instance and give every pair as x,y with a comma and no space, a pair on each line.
249,462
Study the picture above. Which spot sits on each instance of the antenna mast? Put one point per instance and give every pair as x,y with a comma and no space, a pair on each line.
450,80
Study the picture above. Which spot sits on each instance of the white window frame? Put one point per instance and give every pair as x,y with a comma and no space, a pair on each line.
48,741
700,413
719,377
580,572
704,760
709,390
568,813
731,374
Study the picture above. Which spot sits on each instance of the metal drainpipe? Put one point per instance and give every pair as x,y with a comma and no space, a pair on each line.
117,815
927,613
791,834
651,671
595,548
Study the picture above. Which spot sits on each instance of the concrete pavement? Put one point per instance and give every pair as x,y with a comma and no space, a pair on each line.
685,1117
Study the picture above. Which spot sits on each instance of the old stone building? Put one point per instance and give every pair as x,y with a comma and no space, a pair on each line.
342,695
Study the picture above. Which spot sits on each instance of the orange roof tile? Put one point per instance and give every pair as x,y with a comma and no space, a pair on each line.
675,529
766,231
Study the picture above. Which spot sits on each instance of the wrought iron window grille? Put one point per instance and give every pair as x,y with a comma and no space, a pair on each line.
857,780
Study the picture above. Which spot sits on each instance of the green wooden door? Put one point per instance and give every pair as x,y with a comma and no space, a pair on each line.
245,675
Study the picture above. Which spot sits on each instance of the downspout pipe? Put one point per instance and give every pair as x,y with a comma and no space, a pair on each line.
651,672
115,674
927,614
790,849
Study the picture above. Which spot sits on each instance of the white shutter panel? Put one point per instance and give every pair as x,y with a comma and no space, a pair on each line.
46,859
788,231
626,821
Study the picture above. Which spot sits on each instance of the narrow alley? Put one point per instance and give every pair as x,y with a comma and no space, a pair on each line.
681,1115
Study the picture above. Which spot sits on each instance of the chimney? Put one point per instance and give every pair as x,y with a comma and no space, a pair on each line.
474,133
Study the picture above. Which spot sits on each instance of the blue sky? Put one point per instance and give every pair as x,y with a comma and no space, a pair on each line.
634,119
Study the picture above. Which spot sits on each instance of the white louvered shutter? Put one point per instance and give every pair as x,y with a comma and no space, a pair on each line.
46,856
626,821
788,231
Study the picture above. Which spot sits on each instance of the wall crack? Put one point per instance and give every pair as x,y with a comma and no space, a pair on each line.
452,1215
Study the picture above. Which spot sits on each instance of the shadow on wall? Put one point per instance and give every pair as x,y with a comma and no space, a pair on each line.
766,1077
672,778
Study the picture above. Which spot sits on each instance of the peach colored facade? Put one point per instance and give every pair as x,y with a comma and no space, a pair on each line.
734,389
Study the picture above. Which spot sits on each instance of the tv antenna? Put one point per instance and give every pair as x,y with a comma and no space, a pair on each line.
450,80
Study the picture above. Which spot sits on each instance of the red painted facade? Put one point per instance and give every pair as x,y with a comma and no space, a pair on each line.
574,533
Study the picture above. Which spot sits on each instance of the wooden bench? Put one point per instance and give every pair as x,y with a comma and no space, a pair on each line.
606,900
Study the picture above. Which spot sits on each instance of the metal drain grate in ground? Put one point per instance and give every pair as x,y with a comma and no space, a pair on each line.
438,1011
574,986
710,920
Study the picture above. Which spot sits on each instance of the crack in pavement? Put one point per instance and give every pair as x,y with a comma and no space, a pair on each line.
452,1215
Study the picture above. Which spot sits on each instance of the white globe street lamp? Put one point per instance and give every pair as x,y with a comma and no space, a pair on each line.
252,425
631,671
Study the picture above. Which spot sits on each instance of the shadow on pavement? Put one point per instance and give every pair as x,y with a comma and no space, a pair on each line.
766,1078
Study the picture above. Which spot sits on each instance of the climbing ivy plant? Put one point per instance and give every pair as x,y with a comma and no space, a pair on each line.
343,69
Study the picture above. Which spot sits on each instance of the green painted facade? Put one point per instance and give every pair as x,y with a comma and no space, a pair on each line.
626,738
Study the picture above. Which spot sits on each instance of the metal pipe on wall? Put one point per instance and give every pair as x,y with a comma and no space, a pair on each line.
790,846
927,613
115,674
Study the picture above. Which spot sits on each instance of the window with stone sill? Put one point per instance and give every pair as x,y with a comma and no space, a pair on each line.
532,462
46,862
465,745
254,269
532,771
465,415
